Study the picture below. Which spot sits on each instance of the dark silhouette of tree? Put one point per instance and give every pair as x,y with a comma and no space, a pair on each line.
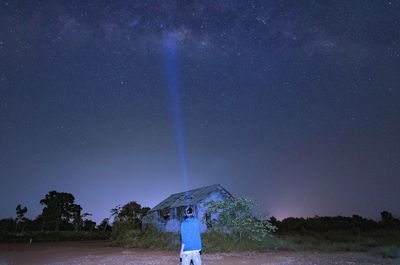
89,225
104,225
273,221
114,212
20,219
130,214
354,224
7,225
386,216
145,210
388,221
76,216
59,208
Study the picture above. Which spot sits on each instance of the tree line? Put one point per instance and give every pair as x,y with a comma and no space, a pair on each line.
354,223
61,213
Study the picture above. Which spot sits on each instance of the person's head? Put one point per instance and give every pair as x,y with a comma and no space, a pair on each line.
188,212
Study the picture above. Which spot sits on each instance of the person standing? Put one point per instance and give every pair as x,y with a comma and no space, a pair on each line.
191,239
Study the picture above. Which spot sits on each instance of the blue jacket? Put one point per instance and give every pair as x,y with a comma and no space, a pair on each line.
190,233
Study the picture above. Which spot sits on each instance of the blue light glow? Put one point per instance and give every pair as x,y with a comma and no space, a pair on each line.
172,76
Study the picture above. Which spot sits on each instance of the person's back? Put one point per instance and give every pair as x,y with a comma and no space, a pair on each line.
191,239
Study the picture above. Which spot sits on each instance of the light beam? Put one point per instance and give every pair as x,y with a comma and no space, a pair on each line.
171,55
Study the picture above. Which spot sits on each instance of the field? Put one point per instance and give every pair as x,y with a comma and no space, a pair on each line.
98,252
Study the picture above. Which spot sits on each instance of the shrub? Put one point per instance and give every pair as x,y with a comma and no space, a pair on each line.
389,252
149,237
52,236
221,242
235,217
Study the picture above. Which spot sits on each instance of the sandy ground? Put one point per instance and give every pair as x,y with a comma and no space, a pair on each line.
99,253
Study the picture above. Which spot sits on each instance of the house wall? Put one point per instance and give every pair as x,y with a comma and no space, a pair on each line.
176,215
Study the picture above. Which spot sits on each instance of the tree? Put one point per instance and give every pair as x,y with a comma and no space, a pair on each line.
386,217
104,225
388,221
78,217
130,211
133,213
7,224
274,221
115,212
89,225
20,212
127,218
235,216
59,207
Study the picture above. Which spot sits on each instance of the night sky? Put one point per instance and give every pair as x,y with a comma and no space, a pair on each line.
293,103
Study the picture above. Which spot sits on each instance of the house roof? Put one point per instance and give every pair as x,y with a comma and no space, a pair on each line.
190,197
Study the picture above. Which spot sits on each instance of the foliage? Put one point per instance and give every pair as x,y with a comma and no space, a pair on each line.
52,236
115,211
78,218
131,213
389,252
88,225
127,223
20,217
388,221
235,217
20,211
340,240
149,237
120,228
104,225
354,224
216,241
246,233
7,225
59,207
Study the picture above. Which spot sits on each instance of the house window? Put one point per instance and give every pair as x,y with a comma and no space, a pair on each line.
208,217
165,214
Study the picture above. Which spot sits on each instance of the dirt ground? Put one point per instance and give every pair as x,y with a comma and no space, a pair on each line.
99,253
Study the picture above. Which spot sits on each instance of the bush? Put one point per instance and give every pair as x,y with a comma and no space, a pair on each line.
220,242
389,252
52,236
217,241
149,237
234,216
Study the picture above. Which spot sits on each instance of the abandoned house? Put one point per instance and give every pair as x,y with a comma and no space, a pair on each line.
168,214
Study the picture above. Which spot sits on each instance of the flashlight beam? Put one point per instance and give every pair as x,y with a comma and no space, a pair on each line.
172,76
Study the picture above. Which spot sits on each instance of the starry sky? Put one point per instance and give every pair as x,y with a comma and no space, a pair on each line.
293,103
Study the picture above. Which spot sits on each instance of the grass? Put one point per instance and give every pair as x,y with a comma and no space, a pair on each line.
52,236
388,242
341,240
382,242
149,239
389,252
